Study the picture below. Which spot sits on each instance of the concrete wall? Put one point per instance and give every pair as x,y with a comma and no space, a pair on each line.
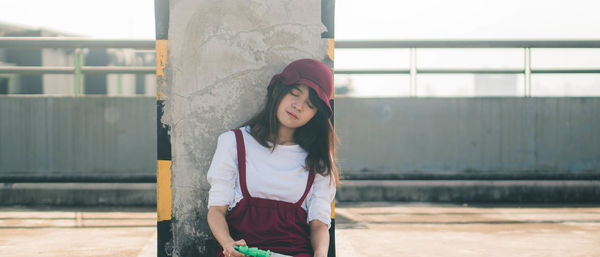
222,54
77,135
533,137
453,136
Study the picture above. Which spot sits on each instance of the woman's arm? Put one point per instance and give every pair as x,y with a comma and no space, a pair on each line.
218,226
319,238
318,208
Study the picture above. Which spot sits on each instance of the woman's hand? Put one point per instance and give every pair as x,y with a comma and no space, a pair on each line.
229,251
218,226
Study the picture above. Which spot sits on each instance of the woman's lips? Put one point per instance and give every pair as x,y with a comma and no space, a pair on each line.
291,114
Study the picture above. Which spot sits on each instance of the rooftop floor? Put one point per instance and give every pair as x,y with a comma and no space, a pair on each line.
362,229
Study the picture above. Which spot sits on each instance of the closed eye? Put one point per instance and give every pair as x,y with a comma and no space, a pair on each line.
295,92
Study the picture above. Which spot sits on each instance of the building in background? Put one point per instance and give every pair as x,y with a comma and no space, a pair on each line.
64,84
343,86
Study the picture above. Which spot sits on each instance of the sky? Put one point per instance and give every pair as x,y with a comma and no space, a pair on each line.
523,19
354,19
366,20
92,18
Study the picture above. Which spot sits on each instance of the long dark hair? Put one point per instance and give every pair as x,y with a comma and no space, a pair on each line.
316,137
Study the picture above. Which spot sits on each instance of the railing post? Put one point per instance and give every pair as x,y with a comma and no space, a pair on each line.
527,72
120,76
78,80
79,77
412,90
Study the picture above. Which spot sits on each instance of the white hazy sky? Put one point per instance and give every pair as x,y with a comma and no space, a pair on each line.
94,18
381,19
355,19
468,19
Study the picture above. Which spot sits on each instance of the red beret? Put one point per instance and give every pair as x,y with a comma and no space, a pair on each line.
311,73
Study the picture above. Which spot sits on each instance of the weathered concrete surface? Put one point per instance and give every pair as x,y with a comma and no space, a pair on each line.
362,229
78,232
387,229
222,54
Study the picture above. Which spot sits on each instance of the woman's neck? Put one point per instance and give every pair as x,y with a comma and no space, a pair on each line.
286,136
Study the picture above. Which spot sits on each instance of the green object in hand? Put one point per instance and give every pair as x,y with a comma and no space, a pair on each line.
252,251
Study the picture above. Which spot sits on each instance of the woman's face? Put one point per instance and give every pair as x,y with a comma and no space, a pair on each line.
295,109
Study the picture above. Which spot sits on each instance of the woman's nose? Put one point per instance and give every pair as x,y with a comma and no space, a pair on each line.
298,106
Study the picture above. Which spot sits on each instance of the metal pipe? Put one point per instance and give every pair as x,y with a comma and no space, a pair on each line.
372,71
36,70
70,42
434,71
527,67
473,71
118,69
412,90
470,44
469,71
547,71
152,69
71,70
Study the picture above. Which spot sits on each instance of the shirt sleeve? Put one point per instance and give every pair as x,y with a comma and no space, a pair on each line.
223,171
318,202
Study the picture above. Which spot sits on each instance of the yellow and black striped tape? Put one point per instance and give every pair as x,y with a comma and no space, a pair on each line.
164,195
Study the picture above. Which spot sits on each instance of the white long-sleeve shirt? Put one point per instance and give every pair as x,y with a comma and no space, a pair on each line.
278,175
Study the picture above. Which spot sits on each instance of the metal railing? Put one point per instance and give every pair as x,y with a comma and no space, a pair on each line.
414,70
78,44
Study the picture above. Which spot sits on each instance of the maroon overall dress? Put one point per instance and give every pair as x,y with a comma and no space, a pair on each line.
269,224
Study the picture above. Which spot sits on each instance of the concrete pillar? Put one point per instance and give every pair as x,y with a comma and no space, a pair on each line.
221,55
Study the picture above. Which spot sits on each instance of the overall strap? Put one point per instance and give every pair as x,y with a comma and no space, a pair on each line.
241,156
309,182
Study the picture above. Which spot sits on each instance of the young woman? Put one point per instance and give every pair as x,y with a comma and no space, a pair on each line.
273,180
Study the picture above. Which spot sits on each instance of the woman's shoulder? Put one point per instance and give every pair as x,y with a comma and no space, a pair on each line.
228,137
320,177
324,181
